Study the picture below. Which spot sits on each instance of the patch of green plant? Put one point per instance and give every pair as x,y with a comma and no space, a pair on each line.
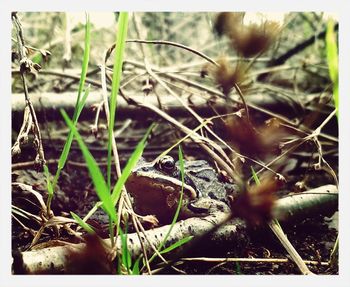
102,188
109,200
95,172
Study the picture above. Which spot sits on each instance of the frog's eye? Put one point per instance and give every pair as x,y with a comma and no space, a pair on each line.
166,164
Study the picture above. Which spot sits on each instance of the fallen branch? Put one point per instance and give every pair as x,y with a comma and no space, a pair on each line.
322,200
56,259
52,102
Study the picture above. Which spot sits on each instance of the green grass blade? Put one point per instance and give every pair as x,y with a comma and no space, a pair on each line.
177,212
83,224
78,109
65,152
94,170
129,166
48,180
238,268
182,171
117,72
63,158
176,244
82,102
126,256
332,58
136,267
86,56
49,188
255,176
84,68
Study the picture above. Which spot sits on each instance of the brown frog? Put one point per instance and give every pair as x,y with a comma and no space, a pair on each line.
156,188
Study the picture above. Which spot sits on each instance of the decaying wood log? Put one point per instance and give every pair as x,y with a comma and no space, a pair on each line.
50,103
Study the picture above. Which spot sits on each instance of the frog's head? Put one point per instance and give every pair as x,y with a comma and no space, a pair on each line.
156,188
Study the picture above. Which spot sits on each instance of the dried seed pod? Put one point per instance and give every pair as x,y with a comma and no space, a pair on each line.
256,203
249,38
258,142
228,22
226,75
255,39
